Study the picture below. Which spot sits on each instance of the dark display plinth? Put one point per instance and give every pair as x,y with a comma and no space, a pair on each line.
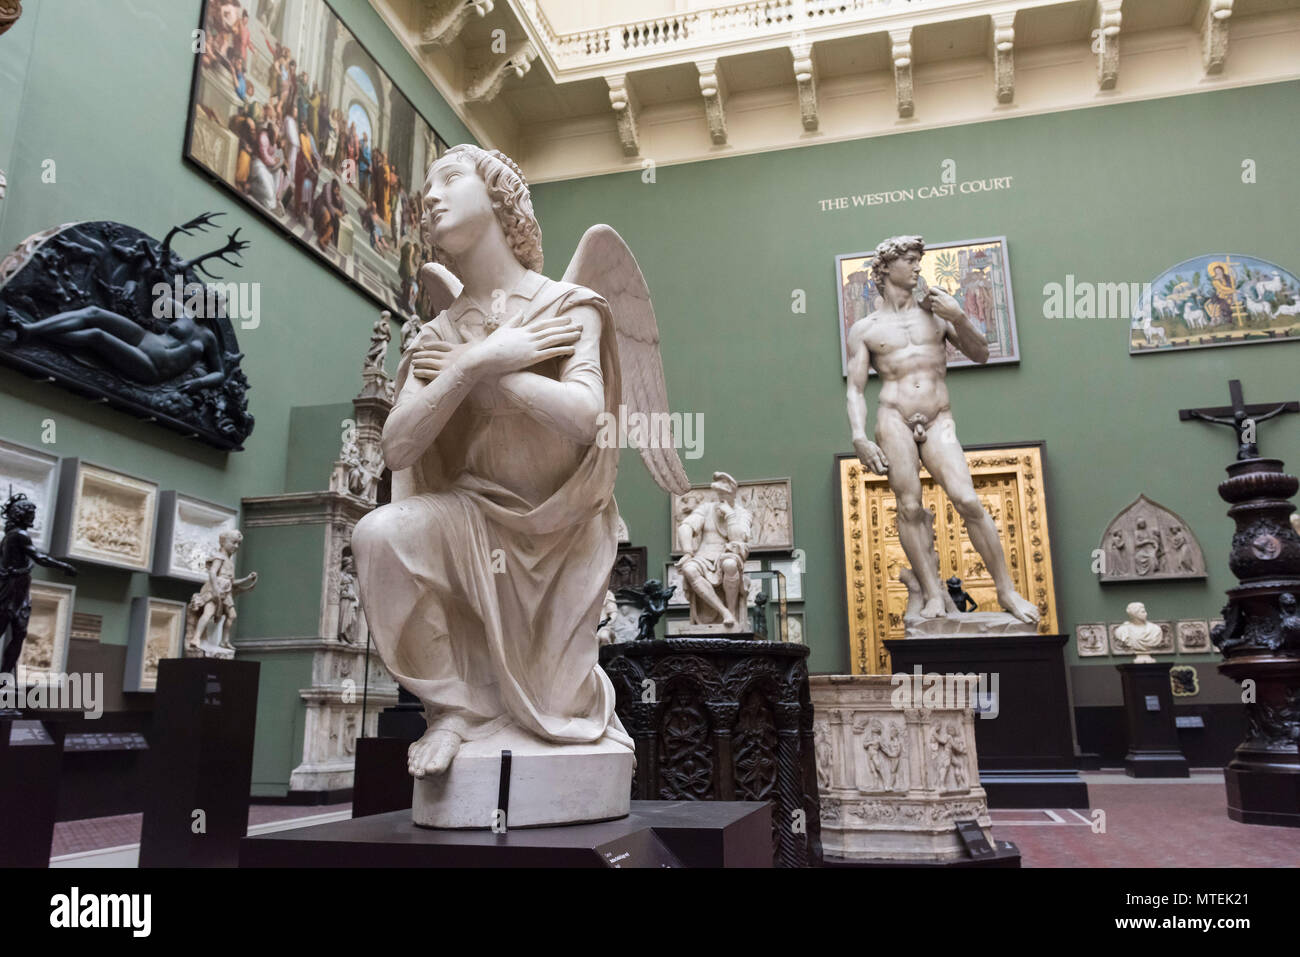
30,757
1153,749
1260,641
382,781
1026,753
720,719
655,834
201,763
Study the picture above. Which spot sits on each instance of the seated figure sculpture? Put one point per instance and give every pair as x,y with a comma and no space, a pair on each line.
714,538
484,581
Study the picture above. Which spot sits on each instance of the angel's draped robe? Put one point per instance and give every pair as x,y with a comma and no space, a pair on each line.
483,582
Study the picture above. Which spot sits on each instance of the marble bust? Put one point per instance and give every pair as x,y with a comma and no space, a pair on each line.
484,581
1137,635
714,538
905,339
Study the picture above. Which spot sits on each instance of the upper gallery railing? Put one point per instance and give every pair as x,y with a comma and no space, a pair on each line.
698,29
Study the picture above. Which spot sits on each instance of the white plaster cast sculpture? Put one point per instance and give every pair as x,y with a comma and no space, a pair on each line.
484,581
349,601
905,341
608,615
1137,636
210,615
714,538
896,765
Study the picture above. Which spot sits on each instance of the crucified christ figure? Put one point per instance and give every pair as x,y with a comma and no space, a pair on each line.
905,340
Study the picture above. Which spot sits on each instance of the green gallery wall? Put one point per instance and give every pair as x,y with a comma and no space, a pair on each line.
1112,194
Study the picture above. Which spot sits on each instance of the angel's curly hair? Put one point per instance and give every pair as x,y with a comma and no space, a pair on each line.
510,198
893,248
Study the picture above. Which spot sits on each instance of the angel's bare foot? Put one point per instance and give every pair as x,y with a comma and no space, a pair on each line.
728,619
933,608
1019,607
433,753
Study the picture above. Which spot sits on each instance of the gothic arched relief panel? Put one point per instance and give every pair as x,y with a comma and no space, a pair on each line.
1148,542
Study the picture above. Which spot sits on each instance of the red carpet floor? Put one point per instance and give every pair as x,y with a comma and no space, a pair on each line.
1141,824
1181,823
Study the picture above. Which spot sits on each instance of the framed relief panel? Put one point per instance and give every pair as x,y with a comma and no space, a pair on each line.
793,630
770,506
1091,639
975,272
188,529
105,517
157,632
1010,484
46,650
36,475
792,569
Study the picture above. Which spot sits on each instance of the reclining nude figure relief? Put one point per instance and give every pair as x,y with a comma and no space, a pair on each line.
483,581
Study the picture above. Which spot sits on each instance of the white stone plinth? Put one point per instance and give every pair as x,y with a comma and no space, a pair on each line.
893,780
549,784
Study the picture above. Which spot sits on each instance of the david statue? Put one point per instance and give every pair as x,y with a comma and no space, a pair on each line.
483,581
905,340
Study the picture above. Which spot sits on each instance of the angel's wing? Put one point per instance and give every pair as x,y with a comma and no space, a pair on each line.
438,290
605,265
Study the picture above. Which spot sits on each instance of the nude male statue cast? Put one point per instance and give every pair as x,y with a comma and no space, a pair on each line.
905,341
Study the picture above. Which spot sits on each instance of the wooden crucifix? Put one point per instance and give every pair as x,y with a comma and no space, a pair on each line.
1242,418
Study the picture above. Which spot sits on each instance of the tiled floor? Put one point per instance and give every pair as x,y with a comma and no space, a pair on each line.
74,837
1143,823
1146,823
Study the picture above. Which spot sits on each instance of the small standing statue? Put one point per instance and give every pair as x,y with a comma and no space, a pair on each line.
349,601
1137,635
378,351
17,556
960,597
211,613
715,539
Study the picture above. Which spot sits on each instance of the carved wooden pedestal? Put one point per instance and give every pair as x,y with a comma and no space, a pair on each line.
716,719
1153,749
1260,641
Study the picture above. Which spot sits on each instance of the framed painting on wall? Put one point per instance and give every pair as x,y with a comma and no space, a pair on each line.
291,114
769,503
975,272
1219,299
1010,483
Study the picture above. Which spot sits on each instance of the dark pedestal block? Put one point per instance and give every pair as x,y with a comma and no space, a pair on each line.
1026,753
30,757
723,719
1153,749
655,834
381,782
201,759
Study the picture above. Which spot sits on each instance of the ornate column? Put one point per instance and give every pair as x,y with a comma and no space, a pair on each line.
792,846
723,715
1260,641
